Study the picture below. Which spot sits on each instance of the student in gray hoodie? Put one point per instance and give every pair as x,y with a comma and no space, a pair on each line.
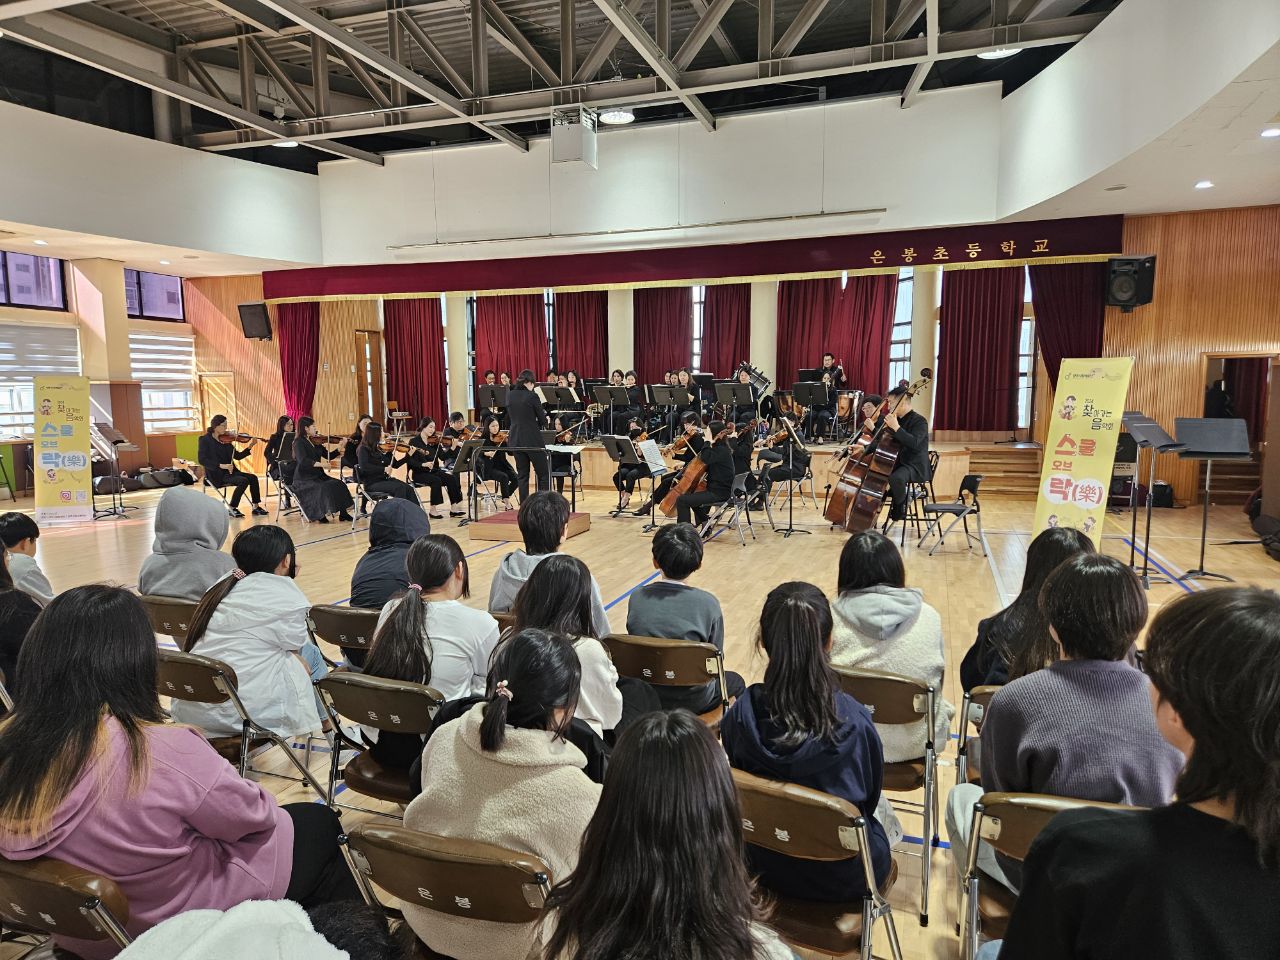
542,519
186,557
19,533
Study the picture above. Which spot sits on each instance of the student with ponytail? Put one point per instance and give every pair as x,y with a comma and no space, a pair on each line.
800,727
505,774
255,621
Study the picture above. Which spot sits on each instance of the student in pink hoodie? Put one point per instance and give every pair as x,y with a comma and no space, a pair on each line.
90,774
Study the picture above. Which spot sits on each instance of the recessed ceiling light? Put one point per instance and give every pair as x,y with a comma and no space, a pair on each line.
1203,184
286,143
1000,53
41,243
1271,132
616,116
1117,186
164,263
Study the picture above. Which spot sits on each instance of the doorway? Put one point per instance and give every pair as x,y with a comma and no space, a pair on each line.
218,395
1238,387
368,365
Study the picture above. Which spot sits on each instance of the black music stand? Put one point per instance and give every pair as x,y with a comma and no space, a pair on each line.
810,374
465,462
1210,439
491,396
809,395
705,385
794,439
1131,417
1149,434
117,510
622,452
733,394
612,397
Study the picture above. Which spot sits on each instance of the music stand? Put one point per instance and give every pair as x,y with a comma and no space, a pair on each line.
465,462
794,439
810,374
661,395
622,452
652,454
733,394
611,397
1147,433
1210,439
705,384
116,439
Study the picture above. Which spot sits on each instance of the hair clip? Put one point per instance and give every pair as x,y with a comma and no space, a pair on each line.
502,690
416,586
238,573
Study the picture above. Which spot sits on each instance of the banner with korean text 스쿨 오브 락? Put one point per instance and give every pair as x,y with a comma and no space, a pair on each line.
1080,448
63,473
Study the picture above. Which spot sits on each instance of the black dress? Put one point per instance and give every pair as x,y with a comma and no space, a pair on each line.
371,471
318,493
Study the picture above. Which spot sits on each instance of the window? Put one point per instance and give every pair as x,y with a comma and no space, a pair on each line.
1026,371
165,365
27,350
153,296
900,337
699,302
549,308
472,374
35,282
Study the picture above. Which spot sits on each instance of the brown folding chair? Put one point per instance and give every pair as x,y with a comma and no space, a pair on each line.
170,617
670,663
459,878
392,706
197,679
811,825
979,697
894,699
1009,822
505,622
45,896
350,628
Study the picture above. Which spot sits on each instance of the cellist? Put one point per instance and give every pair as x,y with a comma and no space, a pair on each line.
911,431
690,443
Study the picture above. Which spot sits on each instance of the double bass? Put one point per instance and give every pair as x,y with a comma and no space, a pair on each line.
859,492
692,480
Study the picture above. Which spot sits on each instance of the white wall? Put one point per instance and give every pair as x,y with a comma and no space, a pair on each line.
68,175
934,164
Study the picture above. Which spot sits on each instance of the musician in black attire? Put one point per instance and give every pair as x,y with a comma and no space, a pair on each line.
428,468
318,493
279,454
561,463
912,433
218,460
350,448
719,460
495,466
625,477
694,442
829,367
740,412
372,464
790,460
819,417
527,422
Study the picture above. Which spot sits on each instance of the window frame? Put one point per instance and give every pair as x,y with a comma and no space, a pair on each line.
166,424
906,276
7,299
697,325
137,284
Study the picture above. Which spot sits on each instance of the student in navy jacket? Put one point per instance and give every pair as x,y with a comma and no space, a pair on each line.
799,727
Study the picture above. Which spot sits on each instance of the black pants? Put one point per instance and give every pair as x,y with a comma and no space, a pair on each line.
625,477
898,481
393,488
697,504
241,482
818,421
538,462
320,874
501,473
439,481
703,697
781,474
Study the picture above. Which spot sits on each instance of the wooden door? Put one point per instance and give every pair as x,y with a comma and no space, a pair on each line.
217,396
368,363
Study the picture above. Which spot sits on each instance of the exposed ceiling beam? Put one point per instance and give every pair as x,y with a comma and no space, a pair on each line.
204,78
701,33
662,25
373,14
764,29
799,27
253,13
638,37
721,38
434,54
1043,9
342,39
12,9
36,37
128,27
603,48
396,51
362,75
479,50
909,11
526,50
320,74
569,39
912,89
282,79
921,71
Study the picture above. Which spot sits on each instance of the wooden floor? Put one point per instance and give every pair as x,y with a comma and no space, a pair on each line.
962,584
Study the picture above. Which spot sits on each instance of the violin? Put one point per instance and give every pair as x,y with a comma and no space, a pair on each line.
500,437
229,438
693,479
395,446
439,439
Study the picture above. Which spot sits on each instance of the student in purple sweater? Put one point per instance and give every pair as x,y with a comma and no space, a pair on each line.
1081,727
90,774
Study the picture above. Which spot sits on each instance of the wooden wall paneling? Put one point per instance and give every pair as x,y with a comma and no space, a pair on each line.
126,416
1217,290
337,404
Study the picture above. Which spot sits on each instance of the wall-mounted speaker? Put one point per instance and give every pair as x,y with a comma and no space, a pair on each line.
1130,281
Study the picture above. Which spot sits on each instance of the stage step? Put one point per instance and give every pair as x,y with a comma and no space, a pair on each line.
1010,472
1234,480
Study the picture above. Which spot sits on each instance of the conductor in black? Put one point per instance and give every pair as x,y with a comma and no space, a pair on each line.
527,419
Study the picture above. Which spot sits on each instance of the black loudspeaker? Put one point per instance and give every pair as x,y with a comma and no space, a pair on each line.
1130,281
255,321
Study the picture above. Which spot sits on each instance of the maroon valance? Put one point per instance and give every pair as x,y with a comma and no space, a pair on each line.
1043,241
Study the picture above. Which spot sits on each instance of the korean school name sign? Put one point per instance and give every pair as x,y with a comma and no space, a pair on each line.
1080,449
62,469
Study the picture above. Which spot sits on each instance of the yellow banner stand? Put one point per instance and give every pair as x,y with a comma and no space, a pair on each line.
64,492
1080,448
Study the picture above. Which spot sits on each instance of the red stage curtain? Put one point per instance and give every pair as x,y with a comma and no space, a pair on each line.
415,358
663,330
511,335
978,354
726,328
805,309
1070,303
861,330
1247,384
582,332
298,333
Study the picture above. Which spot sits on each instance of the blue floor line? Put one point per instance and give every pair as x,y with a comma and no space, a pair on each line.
919,841
1159,566
617,600
307,543
477,553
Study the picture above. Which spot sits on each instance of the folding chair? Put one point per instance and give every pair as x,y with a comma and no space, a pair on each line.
220,491
506,621
392,706
964,506
892,700
170,617
458,878
41,897
790,487
934,460
810,825
1009,822
197,679
916,494
974,706
739,503
670,663
399,420
350,628
363,499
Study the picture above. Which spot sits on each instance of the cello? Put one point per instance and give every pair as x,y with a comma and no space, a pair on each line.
859,492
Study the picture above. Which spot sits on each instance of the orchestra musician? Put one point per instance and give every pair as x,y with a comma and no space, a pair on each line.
352,443
219,461
789,461
279,455
911,430
429,467
819,417
490,378
527,419
718,456
739,412
319,494
561,463
625,477
694,441
495,466
830,366
372,464
504,379
682,378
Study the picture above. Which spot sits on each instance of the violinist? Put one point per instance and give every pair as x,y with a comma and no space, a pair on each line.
372,464
279,455
319,494
352,444
791,461
428,467
743,445
218,457
718,456
835,370
495,466
819,417
684,448
625,477
561,463
911,430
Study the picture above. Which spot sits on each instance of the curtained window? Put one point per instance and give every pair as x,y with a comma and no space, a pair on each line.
725,338
511,334
977,376
663,330
413,331
854,321
805,308
582,332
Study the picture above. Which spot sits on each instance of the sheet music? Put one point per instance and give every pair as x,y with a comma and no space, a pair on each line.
648,449
565,448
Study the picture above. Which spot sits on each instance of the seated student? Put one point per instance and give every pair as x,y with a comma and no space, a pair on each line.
219,462
788,461
186,558
1081,727
562,463
800,727
672,609
1200,878
542,520
661,874
882,624
1016,641
255,621
90,774
504,774
427,636
380,574
19,533
319,495
691,442
18,611
372,465
351,446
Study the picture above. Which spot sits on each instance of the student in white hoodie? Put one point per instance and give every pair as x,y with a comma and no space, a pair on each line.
542,519
882,624
186,558
255,621
19,533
